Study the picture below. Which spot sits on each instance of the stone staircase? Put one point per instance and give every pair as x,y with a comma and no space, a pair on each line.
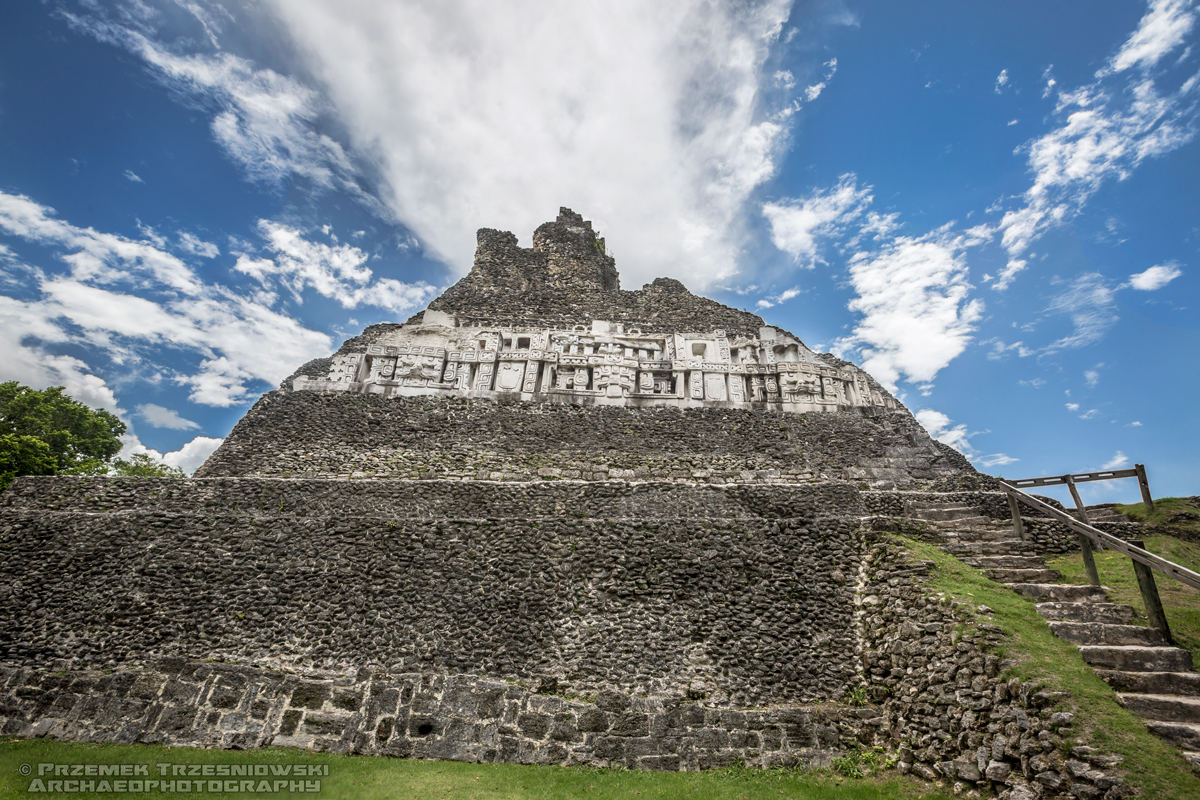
1151,678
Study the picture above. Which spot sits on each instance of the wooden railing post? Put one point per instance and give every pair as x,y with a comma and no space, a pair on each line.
1085,544
1015,509
1144,485
1154,606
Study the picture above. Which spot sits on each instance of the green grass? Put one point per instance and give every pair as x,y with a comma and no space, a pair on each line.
1158,769
369,777
1169,512
1181,603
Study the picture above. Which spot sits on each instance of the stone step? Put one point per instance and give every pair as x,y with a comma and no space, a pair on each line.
1111,613
972,521
1162,707
1040,592
967,534
1101,633
1006,562
1184,735
1002,547
1134,658
1023,576
1177,683
1194,758
947,513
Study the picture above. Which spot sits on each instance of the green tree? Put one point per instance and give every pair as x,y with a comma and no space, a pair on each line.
23,455
143,466
78,439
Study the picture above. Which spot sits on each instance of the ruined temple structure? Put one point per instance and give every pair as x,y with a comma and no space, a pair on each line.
546,520
551,324
537,365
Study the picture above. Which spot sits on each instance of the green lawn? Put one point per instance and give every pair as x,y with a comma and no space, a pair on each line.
367,777
1181,603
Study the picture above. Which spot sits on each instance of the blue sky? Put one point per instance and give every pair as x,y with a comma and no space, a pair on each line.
992,207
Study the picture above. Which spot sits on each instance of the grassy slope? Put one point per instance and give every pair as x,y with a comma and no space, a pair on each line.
368,777
1158,769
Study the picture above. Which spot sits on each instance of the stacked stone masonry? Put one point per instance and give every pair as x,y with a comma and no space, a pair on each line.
365,436
929,680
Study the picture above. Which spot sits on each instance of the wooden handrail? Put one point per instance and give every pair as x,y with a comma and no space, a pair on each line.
1080,477
1168,568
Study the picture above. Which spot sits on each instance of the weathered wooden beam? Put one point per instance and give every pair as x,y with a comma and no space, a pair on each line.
1085,542
1144,485
1168,568
1078,477
1015,509
1154,607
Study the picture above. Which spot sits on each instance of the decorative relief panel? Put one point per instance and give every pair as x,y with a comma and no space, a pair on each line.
613,367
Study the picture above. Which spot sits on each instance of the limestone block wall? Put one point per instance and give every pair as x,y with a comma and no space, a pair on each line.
315,434
458,717
937,700
428,499
740,610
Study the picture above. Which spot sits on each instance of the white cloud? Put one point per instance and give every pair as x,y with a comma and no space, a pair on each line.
782,297
797,226
996,460
197,246
335,271
1091,413
1012,122
547,88
130,175
1163,29
1005,278
264,120
99,257
1135,424
235,339
1072,406
1090,305
25,330
1001,81
814,91
1155,277
187,458
1107,128
1116,462
1036,383
161,417
912,295
1092,377
937,425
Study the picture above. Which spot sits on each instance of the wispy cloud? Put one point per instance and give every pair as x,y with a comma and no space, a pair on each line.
1001,81
161,417
1116,462
814,91
798,226
1089,303
337,271
123,298
1107,128
132,176
1155,277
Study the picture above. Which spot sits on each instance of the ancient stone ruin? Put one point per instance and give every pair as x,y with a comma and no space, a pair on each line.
546,520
